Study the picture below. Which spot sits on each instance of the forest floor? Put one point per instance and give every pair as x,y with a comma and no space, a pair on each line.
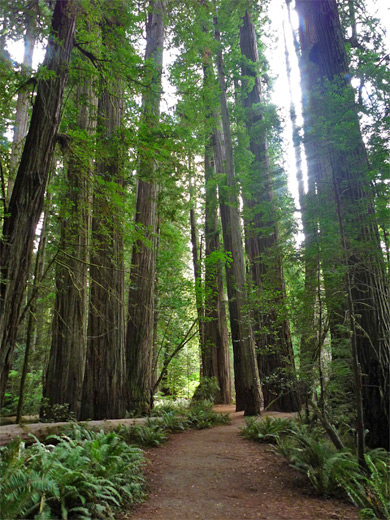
217,474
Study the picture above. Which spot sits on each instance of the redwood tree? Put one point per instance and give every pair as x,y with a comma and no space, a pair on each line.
341,148
65,372
27,198
273,339
247,384
139,336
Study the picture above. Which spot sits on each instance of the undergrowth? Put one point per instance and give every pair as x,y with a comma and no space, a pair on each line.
82,474
79,475
331,472
168,419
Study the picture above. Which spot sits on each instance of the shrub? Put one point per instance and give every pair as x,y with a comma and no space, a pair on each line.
265,430
337,473
206,390
150,434
201,416
173,422
87,476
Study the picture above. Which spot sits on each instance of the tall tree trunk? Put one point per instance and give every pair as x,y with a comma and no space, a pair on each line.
22,104
274,347
139,336
103,390
196,263
31,334
216,341
65,372
247,384
310,231
331,100
27,198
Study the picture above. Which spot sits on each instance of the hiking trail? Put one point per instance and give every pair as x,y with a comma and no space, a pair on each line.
217,474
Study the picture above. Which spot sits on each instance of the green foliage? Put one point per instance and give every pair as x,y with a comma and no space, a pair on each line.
330,472
33,393
202,416
337,473
151,434
267,429
207,389
172,422
56,412
375,498
84,475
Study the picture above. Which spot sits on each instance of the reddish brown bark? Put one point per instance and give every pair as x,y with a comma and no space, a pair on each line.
139,336
27,198
103,395
216,342
246,378
65,372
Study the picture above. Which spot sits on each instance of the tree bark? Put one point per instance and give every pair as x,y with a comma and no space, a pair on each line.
216,341
196,263
139,336
247,384
65,372
31,333
331,100
27,198
273,340
103,394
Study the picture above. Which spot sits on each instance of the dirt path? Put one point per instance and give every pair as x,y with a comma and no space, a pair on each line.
216,474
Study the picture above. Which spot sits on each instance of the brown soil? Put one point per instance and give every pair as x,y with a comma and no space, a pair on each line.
216,474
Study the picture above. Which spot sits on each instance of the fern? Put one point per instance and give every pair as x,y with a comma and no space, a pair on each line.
151,434
86,476
266,430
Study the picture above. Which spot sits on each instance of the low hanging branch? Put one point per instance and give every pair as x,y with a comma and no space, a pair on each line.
188,337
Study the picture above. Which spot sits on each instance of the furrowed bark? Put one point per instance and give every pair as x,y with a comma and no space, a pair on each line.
65,372
139,336
27,198
248,392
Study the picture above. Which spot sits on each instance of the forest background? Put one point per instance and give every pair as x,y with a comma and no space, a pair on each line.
146,250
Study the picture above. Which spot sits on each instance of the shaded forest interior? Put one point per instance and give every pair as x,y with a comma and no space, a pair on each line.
151,252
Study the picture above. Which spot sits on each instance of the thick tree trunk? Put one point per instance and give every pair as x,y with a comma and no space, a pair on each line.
331,99
27,198
216,342
103,389
139,336
65,372
248,392
274,347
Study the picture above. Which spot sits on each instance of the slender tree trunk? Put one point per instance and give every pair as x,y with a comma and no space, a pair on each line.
196,263
247,384
32,321
216,342
103,389
22,105
331,100
65,372
139,336
27,198
274,347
